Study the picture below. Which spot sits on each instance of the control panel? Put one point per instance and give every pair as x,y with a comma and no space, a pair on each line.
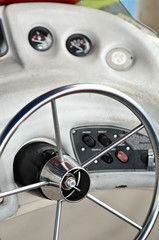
133,154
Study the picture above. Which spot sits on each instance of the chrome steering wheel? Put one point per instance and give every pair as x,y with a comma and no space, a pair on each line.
62,178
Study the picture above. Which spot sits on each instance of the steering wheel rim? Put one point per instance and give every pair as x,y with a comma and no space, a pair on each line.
50,96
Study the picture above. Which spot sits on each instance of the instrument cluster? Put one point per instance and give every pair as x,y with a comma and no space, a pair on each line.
77,44
80,45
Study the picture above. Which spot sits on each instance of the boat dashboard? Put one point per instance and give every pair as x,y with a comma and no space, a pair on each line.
45,46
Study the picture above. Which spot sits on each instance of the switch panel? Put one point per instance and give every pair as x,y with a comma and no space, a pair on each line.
129,155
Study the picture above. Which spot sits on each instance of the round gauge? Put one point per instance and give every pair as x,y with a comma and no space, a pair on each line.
40,38
79,45
119,59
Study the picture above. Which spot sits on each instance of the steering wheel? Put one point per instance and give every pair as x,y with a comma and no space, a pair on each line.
62,178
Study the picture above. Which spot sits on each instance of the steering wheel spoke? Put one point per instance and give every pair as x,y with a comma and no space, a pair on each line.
57,220
57,131
24,189
113,211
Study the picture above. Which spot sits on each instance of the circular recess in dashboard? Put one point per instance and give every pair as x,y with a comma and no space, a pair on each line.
119,58
40,38
79,45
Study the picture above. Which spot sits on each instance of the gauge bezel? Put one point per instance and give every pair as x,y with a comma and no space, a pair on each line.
46,31
75,36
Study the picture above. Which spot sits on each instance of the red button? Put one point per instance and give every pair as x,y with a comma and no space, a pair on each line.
122,156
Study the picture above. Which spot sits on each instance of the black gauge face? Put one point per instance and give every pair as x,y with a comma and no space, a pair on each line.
40,38
79,45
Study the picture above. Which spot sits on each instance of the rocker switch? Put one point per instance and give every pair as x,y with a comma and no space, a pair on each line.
89,141
104,140
122,156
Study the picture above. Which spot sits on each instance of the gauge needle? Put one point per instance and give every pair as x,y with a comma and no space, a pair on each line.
76,46
34,40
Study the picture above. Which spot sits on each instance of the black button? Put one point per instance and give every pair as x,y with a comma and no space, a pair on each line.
104,140
107,158
89,141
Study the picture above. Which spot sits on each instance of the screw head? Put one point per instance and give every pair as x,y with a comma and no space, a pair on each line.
70,182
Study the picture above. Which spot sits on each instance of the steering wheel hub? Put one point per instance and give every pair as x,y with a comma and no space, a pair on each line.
67,179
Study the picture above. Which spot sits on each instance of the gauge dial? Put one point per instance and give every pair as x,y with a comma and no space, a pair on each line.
40,38
79,45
